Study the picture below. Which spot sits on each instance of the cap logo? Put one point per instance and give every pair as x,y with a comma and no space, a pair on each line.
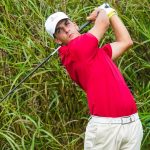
52,18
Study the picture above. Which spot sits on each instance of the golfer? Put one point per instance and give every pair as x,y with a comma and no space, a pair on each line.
114,123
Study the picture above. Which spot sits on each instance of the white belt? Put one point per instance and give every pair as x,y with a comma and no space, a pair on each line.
118,120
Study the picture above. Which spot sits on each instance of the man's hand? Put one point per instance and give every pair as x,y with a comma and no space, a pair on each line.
92,17
109,11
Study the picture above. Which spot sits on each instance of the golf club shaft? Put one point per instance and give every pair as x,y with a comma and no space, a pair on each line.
84,25
38,66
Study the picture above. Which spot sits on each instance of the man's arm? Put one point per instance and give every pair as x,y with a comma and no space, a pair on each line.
101,23
123,39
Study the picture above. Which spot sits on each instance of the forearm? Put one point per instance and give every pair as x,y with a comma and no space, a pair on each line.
120,31
101,23
123,40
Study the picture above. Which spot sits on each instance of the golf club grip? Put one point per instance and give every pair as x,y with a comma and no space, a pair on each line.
38,66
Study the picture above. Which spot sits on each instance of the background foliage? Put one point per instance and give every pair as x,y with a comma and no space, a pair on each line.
48,111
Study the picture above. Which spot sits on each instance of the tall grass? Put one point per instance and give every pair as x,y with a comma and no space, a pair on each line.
48,111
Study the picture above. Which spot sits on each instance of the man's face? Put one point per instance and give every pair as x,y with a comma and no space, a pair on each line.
65,31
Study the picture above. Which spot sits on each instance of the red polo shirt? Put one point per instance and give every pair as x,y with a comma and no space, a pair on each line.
94,71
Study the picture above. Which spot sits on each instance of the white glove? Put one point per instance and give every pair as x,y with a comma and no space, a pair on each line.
109,11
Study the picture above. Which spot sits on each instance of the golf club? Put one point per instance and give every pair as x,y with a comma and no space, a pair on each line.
39,65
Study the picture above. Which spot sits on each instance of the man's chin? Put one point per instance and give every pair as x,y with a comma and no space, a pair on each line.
72,36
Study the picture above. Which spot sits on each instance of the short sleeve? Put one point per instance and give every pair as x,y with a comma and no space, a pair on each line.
107,48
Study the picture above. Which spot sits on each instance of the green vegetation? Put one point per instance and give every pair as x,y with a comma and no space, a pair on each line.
48,111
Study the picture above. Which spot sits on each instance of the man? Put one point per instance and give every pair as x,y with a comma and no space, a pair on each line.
114,123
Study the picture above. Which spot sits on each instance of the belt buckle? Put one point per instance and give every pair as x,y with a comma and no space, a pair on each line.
131,119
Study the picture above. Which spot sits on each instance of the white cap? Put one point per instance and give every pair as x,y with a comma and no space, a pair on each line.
52,21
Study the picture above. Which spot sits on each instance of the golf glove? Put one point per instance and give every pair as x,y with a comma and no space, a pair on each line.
109,11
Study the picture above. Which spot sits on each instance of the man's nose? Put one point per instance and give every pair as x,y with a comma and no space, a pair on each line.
66,29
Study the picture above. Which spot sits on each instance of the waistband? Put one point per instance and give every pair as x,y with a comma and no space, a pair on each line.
118,120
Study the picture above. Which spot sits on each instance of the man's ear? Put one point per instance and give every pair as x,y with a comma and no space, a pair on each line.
58,41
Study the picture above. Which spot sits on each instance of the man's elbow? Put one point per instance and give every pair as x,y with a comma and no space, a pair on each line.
129,43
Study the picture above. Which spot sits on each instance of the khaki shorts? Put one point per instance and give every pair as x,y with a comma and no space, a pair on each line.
123,133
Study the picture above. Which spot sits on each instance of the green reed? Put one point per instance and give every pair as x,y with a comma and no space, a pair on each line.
48,111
